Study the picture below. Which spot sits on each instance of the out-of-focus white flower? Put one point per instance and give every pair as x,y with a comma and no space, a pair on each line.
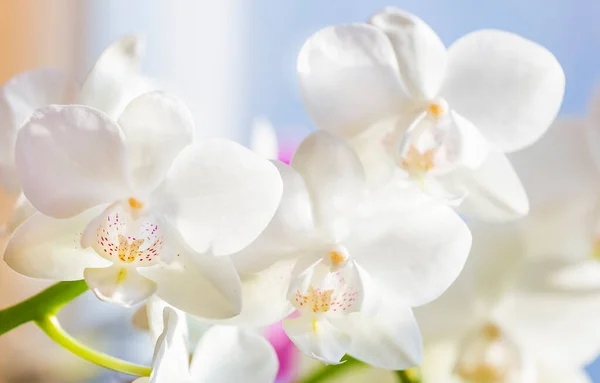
224,354
441,117
162,212
356,274
562,175
503,322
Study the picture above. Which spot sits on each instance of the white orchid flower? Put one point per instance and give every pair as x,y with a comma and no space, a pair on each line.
362,262
142,195
564,226
112,83
441,117
225,354
503,322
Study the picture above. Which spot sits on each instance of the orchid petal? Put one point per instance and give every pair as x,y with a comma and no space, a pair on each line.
215,277
387,338
220,195
334,177
120,285
171,356
157,127
390,234
510,88
495,192
420,53
48,248
71,158
227,354
349,78
318,338
19,98
115,79
290,229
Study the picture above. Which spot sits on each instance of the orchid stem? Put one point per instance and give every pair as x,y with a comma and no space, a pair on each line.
326,372
42,309
408,376
47,302
52,328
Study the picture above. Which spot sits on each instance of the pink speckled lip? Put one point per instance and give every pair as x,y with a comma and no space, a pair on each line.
287,353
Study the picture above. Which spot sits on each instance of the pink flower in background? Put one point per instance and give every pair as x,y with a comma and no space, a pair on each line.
264,141
287,353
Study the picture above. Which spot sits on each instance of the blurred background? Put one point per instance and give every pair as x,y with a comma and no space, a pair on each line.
233,61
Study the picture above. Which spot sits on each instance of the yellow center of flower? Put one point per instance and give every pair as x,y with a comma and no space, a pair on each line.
135,204
416,162
318,300
487,357
128,251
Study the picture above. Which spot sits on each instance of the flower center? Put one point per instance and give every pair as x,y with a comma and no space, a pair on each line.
317,300
128,242
128,251
415,161
488,356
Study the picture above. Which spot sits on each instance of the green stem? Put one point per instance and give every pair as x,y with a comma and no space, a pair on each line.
47,302
52,328
42,309
404,376
326,372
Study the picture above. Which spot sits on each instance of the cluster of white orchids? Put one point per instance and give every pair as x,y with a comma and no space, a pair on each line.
112,192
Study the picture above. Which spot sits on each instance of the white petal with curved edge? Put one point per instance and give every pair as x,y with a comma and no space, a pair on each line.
48,248
71,158
565,229
509,87
220,195
157,127
473,146
411,244
497,255
495,192
215,277
227,354
318,338
150,316
420,53
115,79
334,177
349,78
290,230
540,313
123,286
564,154
171,356
19,98
264,296
263,139
387,338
